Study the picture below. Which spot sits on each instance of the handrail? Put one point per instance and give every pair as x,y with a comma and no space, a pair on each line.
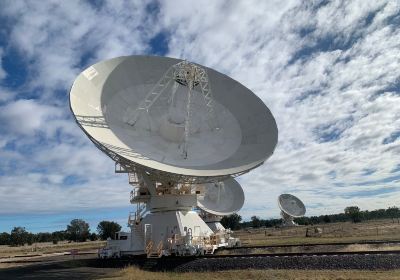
159,248
132,178
130,217
149,247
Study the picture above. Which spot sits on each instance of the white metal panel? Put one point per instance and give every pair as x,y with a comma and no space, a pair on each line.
222,198
103,92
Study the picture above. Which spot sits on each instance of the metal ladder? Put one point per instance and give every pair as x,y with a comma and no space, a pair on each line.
154,253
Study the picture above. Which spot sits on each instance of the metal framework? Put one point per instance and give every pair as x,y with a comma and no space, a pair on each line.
123,165
92,121
186,74
287,219
192,75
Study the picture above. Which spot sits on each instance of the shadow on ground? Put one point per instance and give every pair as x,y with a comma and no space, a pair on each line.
92,268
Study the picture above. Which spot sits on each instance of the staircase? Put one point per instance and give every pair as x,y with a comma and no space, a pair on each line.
133,179
136,217
154,253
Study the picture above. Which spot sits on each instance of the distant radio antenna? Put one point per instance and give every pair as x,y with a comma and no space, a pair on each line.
291,207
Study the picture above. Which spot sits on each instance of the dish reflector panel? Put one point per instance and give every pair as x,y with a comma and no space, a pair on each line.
135,109
221,198
291,205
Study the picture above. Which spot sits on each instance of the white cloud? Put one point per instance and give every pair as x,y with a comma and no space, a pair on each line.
46,194
26,116
56,37
6,94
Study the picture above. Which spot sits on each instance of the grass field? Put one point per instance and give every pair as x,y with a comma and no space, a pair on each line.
136,273
48,247
331,233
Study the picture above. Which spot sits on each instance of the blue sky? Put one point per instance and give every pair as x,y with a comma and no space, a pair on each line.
329,72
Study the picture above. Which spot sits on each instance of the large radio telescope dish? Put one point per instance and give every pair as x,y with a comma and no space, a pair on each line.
181,131
138,111
221,198
291,205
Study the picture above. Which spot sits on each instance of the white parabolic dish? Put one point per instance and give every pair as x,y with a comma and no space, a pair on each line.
222,198
102,95
291,205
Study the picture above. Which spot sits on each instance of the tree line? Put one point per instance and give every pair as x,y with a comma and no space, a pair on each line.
78,231
351,213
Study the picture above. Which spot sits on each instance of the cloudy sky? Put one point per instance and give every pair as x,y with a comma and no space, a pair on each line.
329,72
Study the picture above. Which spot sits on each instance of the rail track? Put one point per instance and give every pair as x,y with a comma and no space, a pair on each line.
365,260
316,254
362,242
362,260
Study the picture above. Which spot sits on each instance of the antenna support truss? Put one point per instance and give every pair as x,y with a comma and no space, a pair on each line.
186,74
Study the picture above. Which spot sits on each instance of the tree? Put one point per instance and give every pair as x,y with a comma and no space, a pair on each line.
393,212
58,236
326,219
78,230
43,237
299,221
107,229
354,213
5,238
30,238
93,236
232,221
19,236
255,222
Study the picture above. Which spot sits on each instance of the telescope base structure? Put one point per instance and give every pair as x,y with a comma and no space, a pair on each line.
214,223
168,233
215,226
287,221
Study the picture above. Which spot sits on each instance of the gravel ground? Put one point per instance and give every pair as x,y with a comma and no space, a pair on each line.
364,262
89,267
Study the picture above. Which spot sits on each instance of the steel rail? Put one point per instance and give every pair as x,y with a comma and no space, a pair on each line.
362,242
305,254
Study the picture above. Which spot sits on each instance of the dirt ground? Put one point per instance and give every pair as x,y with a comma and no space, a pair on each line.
60,267
47,247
